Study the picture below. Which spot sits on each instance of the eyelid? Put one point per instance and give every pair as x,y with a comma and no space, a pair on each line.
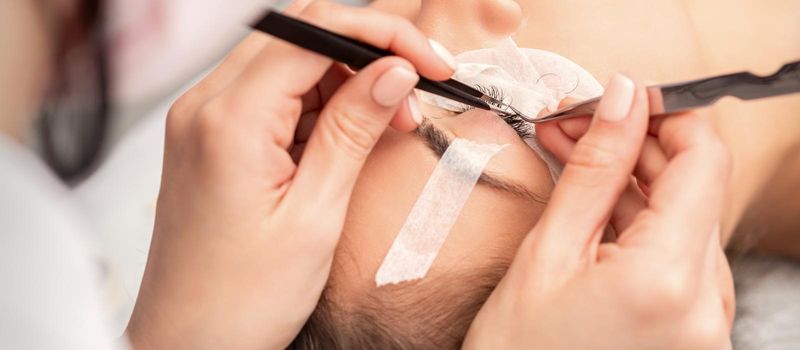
515,121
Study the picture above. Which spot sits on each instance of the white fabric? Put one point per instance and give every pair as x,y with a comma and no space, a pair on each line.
50,296
531,80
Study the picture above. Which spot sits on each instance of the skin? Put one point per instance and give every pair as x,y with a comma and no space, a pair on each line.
242,242
667,283
28,67
695,39
399,167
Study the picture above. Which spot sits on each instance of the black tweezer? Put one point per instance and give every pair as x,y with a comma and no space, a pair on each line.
358,55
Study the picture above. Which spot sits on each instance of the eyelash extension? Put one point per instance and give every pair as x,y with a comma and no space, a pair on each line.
515,121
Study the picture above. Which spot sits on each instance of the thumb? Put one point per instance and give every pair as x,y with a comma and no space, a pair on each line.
597,171
348,127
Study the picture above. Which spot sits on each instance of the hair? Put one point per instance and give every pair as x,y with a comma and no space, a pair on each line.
74,116
433,313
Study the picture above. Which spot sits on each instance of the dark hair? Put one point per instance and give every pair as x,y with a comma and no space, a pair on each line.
433,313
74,115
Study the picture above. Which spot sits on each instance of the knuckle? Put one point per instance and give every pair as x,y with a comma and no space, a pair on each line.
283,121
704,333
351,131
176,119
659,295
318,11
181,106
209,117
592,154
402,25
209,127
179,115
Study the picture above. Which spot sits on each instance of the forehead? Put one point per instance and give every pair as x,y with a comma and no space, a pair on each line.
489,226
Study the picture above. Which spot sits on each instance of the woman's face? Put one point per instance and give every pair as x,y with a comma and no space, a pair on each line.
435,311
501,210
499,213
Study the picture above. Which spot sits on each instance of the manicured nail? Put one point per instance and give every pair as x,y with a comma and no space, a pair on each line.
413,106
393,86
444,54
616,104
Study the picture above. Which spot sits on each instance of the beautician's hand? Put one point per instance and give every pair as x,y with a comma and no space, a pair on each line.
664,283
260,161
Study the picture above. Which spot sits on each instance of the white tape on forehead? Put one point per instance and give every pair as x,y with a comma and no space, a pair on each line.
435,212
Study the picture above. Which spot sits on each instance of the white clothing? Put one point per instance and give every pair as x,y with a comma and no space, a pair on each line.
50,296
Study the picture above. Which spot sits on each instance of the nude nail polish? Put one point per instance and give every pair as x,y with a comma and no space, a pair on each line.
393,86
413,107
444,54
616,103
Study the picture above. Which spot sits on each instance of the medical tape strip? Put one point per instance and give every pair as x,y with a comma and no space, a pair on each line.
435,212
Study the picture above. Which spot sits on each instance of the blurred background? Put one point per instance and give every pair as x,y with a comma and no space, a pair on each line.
158,48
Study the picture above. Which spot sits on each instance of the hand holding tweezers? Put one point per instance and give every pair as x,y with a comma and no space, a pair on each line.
358,55
693,94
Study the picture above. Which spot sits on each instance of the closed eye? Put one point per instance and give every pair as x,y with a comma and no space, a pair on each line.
515,121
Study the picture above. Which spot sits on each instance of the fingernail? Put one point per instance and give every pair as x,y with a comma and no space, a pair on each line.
413,106
616,104
444,54
393,86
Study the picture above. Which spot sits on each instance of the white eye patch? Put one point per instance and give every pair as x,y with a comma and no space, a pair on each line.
530,79
435,212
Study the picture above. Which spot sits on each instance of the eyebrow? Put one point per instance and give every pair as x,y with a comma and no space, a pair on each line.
438,142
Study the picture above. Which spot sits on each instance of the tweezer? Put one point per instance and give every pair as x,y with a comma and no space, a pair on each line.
358,55
694,94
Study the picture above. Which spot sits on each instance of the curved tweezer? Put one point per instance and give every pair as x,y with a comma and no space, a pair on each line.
693,94
358,55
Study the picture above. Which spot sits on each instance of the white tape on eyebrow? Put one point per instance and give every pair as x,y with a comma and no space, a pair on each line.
435,212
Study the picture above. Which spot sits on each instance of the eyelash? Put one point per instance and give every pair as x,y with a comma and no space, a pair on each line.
521,127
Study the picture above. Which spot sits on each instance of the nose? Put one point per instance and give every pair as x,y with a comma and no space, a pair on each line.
471,24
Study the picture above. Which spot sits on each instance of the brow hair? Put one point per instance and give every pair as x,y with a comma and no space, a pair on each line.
438,142
433,313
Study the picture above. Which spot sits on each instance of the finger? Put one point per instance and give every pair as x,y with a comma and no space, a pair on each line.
283,72
575,128
373,27
719,273
315,99
631,202
386,31
555,140
651,164
597,171
687,197
726,288
560,137
305,126
347,129
405,119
